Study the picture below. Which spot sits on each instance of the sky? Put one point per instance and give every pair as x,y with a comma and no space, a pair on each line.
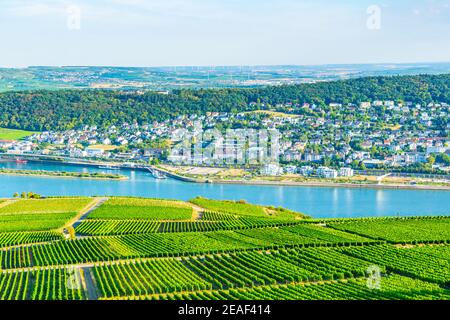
222,32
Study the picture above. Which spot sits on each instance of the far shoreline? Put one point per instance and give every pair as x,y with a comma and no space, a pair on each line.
328,185
188,179
302,184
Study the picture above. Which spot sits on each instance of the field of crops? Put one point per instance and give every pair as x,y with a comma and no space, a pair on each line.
128,226
150,277
325,234
139,208
39,215
395,288
112,227
401,230
431,265
245,209
135,248
16,238
45,206
49,284
34,222
14,258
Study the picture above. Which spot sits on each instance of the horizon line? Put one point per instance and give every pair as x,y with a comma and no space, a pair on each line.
228,66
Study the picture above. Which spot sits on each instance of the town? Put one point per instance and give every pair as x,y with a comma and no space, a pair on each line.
327,140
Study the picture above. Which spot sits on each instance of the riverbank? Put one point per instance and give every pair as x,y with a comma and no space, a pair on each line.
243,178
330,184
317,202
62,174
240,177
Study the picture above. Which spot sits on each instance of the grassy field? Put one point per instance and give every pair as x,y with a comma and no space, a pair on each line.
136,248
12,134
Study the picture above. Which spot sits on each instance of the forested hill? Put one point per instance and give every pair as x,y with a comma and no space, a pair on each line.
66,109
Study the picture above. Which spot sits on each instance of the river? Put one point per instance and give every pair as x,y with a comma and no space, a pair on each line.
319,202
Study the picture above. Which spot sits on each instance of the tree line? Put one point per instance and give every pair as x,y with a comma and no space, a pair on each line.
67,109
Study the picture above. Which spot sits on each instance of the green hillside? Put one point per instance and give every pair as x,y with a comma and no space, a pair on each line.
137,248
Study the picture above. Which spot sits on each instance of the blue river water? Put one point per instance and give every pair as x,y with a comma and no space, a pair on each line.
314,201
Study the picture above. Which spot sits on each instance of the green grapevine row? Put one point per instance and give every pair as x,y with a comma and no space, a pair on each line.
143,278
410,261
16,238
51,284
15,258
401,230
97,227
392,288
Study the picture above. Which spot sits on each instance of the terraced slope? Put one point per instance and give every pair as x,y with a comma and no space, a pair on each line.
135,248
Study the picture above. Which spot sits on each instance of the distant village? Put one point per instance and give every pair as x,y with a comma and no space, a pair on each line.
327,141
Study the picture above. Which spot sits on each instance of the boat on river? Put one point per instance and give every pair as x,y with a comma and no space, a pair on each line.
156,173
109,167
22,161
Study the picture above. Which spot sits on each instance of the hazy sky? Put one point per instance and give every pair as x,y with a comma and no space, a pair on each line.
222,32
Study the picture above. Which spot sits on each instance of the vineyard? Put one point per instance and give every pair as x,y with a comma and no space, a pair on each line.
401,231
45,206
429,265
245,209
139,208
137,248
111,227
16,238
39,215
129,226
396,288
